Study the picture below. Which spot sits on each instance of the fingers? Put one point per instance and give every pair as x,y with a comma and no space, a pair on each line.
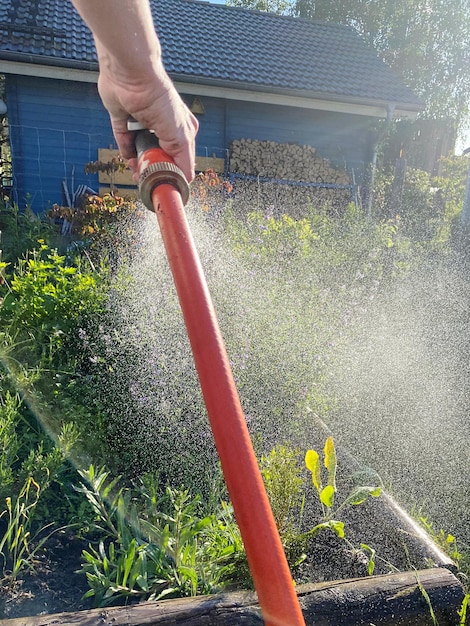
170,119
182,153
184,148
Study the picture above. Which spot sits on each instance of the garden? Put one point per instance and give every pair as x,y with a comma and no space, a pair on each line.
348,339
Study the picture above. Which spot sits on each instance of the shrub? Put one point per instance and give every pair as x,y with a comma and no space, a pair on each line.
45,302
161,548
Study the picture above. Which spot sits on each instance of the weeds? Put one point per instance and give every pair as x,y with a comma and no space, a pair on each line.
18,545
280,470
463,610
154,553
326,494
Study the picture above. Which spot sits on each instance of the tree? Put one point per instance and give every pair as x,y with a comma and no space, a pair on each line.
427,42
281,7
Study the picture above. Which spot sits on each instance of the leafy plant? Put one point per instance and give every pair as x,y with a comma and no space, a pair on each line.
326,493
103,226
170,551
280,470
96,215
18,545
20,231
46,299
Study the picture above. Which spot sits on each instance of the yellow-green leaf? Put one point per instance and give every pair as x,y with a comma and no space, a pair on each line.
337,527
327,496
330,461
312,461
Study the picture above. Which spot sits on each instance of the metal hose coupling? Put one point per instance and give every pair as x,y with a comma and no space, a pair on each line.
155,167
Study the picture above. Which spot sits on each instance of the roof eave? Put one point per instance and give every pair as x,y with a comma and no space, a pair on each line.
297,97
69,69
34,60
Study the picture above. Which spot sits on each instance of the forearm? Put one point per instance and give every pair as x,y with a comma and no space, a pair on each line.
124,34
133,81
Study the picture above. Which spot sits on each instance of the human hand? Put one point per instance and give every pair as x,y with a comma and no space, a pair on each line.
150,98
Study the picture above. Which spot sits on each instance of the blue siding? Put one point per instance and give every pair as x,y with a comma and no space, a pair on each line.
56,127
211,140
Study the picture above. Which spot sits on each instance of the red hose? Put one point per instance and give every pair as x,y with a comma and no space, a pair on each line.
266,559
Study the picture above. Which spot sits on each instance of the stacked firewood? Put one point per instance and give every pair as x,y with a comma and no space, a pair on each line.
283,161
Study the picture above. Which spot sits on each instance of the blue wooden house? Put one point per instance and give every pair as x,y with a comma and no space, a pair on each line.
247,75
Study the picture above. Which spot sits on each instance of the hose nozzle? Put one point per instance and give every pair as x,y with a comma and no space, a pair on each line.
155,167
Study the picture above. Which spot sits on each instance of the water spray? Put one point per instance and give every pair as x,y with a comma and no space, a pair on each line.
164,190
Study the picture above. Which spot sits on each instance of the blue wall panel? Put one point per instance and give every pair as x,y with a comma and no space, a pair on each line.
211,139
56,127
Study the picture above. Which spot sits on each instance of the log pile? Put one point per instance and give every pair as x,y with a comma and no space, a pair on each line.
285,162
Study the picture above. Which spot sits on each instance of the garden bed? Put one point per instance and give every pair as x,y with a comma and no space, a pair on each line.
404,598
332,572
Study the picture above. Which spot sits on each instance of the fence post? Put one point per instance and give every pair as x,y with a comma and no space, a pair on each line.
396,199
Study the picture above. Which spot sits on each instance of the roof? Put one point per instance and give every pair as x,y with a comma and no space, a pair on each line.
213,44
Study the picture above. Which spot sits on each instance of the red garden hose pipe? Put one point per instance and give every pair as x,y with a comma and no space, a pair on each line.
163,189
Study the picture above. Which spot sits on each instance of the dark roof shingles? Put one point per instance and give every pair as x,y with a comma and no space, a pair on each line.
215,43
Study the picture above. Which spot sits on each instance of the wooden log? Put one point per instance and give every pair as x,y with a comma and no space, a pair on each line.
402,599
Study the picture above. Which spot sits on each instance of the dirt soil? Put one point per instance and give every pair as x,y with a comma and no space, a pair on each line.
53,587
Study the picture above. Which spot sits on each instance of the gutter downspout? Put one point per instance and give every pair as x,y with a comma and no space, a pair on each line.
375,148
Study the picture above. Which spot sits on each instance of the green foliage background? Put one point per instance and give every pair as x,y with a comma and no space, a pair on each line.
291,294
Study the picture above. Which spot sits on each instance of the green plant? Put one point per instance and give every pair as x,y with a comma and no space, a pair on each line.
326,494
20,231
46,299
427,599
280,470
463,610
448,543
9,444
153,553
18,545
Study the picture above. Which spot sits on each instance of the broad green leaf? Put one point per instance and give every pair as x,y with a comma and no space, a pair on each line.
334,525
371,558
360,494
330,461
327,496
312,462
337,527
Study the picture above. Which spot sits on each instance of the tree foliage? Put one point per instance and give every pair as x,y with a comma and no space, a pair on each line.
427,42
280,7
